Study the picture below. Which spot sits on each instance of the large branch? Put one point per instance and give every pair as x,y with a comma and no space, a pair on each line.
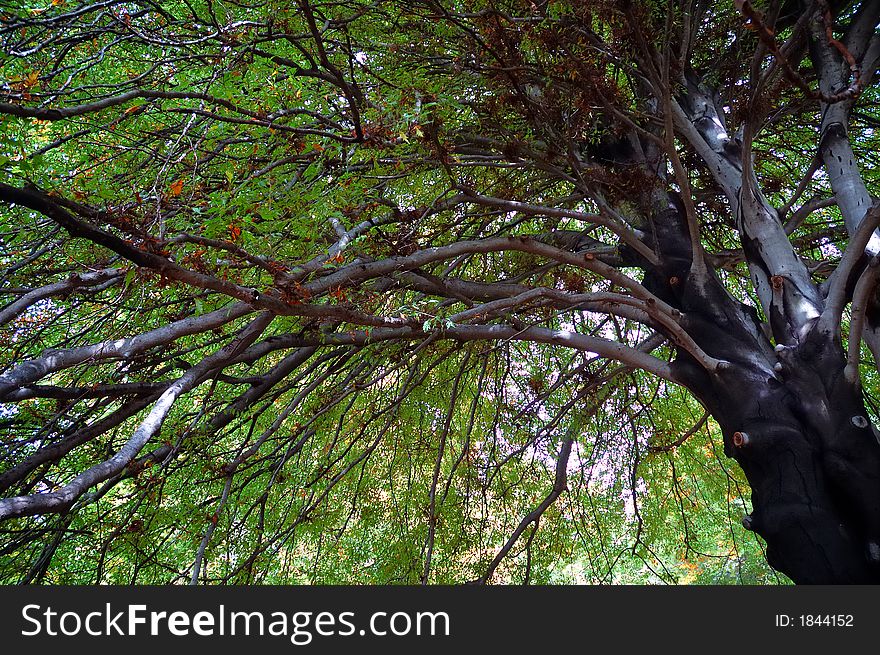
835,148
76,281
30,371
495,332
791,301
61,500
57,450
626,233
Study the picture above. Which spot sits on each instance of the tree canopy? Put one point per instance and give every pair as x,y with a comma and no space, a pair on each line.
438,291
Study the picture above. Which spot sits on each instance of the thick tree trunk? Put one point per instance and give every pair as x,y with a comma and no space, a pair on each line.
799,430
791,418
811,457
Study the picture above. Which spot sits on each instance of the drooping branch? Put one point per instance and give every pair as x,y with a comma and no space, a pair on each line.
54,452
493,332
61,500
559,486
627,234
30,371
76,281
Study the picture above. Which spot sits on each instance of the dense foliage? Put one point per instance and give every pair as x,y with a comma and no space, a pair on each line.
365,291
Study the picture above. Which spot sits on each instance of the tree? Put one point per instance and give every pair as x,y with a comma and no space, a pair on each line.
373,290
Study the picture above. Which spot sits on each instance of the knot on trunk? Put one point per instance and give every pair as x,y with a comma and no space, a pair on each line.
741,439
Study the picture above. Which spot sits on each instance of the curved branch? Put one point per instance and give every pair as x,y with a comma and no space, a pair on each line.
839,281
560,484
61,500
75,281
861,299
626,233
495,332
32,370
